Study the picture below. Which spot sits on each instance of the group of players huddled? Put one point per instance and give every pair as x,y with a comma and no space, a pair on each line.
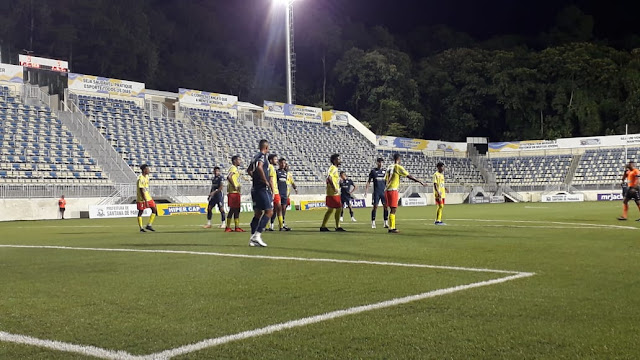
270,194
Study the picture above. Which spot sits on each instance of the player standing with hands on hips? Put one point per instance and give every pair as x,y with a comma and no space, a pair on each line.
439,192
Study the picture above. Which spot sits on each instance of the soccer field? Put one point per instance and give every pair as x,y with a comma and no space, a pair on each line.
512,281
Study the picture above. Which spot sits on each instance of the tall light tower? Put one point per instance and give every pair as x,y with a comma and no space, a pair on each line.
290,52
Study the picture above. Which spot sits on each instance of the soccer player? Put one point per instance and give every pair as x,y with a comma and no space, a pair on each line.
291,182
216,198
377,177
62,205
333,194
261,194
392,180
633,193
625,184
347,187
277,200
144,200
233,195
439,192
283,189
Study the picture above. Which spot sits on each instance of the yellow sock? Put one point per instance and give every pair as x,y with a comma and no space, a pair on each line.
280,221
327,215
140,221
237,222
439,212
268,226
228,221
392,221
337,217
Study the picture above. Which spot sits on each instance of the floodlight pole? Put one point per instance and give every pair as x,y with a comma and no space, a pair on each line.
290,53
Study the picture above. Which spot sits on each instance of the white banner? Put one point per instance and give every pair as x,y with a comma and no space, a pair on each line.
203,98
293,111
565,143
419,144
419,201
563,198
11,73
43,63
115,211
96,84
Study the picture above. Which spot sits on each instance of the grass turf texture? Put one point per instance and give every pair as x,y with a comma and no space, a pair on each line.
581,304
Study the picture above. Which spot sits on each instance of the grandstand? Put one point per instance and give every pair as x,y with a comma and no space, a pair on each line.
37,147
531,170
603,166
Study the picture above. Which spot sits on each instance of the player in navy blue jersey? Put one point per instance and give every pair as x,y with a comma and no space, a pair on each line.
261,194
347,187
377,177
282,177
215,198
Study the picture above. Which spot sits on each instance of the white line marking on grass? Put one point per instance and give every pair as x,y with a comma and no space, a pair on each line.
205,344
524,226
266,257
604,226
536,207
65,347
208,343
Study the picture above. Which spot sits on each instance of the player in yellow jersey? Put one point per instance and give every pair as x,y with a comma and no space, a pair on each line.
289,182
392,179
277,206
333,194
144,200
439,191
233,194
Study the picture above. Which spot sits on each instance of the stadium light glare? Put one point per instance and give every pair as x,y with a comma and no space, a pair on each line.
290,53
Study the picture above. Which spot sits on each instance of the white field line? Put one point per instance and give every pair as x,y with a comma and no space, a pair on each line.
324,317
65,347
604,226
266,257
528,226
208,343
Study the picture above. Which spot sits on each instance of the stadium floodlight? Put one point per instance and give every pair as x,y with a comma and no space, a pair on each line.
290,53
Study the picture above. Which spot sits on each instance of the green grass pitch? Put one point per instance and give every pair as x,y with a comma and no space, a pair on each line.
581,303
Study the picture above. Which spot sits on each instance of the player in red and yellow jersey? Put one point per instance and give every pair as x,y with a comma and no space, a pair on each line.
277,200
333,194
633,191
392,178
144,200
439,192
233,195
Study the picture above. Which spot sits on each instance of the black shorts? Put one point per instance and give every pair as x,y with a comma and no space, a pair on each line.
262,199
632,194
624,190
283,200
346,200
216,200
378,196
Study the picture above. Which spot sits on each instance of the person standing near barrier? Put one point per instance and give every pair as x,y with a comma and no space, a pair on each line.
62,205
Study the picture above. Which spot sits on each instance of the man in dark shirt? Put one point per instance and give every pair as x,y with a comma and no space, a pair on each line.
377,177
347,187
216,198
282,176
261,194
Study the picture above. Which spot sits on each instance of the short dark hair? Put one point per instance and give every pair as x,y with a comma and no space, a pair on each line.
263,143
234,158
396,156
216,168
271,156
342,172
282,159
143,166
440,164
334,157
380,160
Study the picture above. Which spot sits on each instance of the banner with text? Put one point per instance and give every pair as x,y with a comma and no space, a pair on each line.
563,198
419,201
336,117
419,144
181,209
101,85
115,211
11,73
611,197
565,143
293,111
203,98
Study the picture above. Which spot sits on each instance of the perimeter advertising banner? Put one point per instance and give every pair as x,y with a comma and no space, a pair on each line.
11,73
528,145
181,209
203,98
321,204
101,85
419,144
115,211
293,111
563,198
565,143
336,117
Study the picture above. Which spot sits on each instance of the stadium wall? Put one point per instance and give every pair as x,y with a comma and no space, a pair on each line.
42,208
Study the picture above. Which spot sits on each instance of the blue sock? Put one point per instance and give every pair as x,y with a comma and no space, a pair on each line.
373,215
263,222
222,215
254,225
386,214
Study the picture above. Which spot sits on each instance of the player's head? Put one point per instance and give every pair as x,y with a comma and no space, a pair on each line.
379,162
235,160
335,159
216,171
397,158
272,159
145,169
61,196
282,163
264,145
440,167
343,175
631,165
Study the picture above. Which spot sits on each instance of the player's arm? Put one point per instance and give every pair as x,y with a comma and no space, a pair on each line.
263,176
230,180
435,187
354,188
293,185
142,193
410,177
330,181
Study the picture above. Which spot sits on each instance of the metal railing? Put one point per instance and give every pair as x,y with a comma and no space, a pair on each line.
31,191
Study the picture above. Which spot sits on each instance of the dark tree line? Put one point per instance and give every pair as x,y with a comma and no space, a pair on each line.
432,83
